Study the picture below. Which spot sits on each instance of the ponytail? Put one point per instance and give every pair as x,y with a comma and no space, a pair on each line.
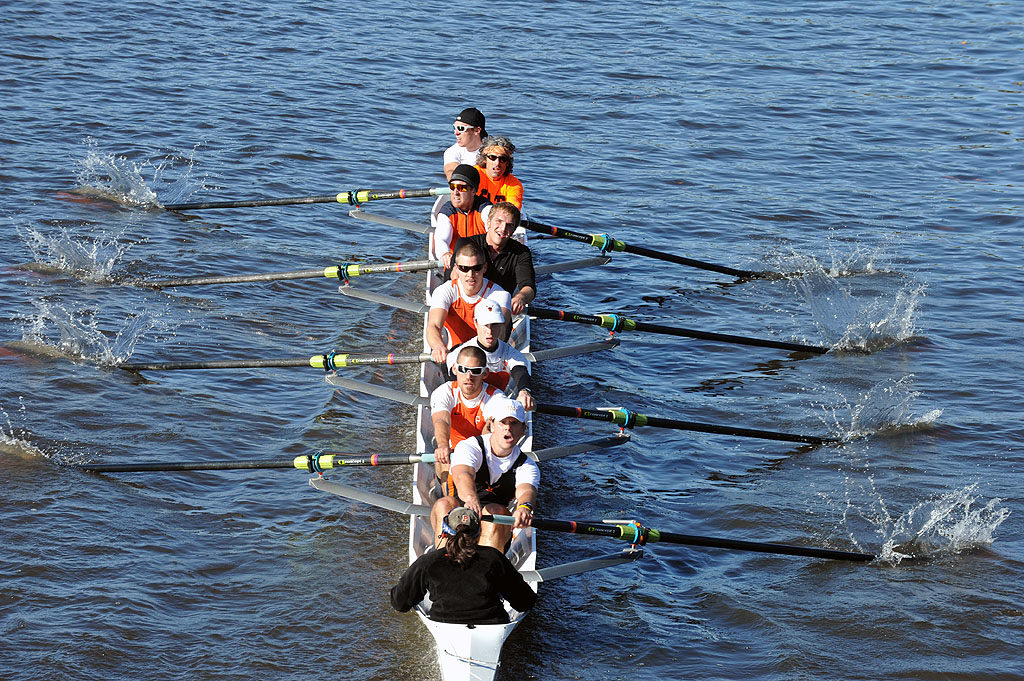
462,546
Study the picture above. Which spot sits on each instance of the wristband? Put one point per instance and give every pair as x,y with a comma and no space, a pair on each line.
527,505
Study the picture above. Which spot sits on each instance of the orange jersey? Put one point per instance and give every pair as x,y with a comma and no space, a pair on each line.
465,223
505,188
459,318
467,421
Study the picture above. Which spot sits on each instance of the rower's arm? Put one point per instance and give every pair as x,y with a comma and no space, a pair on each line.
522,299
526,497
442,433
465,485
435,323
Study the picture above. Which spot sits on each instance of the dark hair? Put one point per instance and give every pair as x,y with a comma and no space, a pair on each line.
474,352
462,546
469,248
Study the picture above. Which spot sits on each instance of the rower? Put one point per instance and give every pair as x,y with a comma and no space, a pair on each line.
507,368
469,131
452,303
509,262
456,408
466,581
463,215
497,183
492,475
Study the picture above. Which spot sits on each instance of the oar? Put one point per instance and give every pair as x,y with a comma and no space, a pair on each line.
630,419
321,461
313,463
345,271
607,243
354,197
329,362
333,361
635,533
615,322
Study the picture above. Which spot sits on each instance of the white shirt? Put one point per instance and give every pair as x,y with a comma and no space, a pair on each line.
446,397
467,453
457,154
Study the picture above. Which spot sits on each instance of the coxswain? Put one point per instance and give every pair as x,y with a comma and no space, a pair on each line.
469,132
456,407
497,183
492,475
463,214
507,368
452,303
509,262
466,581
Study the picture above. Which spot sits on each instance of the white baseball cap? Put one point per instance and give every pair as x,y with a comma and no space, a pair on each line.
500,408
488,312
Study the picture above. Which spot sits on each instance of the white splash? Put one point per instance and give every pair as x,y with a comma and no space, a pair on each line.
79,333
119,179
888,406
92,255
947,524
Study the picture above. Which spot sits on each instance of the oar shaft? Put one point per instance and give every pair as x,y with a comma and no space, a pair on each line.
636,533
761,547
615,322
328,362
350,197
629,419
346,271
606,243
186,466
306,462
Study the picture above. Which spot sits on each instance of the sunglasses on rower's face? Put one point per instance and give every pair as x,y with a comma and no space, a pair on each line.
470,268
475,371
462,128
458,187
497,157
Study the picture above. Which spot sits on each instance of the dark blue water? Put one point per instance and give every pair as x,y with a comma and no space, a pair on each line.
871,151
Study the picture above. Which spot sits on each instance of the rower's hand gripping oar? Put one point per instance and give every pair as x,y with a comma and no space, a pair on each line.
344,272
615,322
638,535
625,418
606,243
352,198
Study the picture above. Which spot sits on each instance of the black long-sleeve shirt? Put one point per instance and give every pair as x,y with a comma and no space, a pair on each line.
464,596
512,269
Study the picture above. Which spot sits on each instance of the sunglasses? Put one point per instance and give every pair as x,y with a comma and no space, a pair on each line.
475,371
458,187
470,268
462,128
497,157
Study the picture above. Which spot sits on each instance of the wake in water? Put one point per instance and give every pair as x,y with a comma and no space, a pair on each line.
58,331
115,178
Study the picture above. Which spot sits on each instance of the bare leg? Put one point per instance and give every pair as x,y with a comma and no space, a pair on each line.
493,534
438,512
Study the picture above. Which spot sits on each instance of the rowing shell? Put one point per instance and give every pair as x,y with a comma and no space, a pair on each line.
469,652
464,651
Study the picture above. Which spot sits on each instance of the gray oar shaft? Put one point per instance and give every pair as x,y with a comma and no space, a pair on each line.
343,271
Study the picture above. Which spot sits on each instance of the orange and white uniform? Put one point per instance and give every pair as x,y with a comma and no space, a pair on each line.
467,415
505,188
459,321
500,361
451,224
